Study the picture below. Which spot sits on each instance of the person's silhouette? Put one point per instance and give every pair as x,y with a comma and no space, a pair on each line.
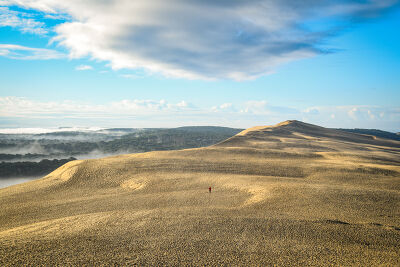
209,189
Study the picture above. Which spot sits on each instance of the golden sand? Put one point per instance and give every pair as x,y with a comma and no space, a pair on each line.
289,194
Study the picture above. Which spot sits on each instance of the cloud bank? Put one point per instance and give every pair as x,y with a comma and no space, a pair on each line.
193,39
25,112
24,107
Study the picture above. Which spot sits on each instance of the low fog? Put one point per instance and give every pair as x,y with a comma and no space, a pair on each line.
12,181
60,144
25,156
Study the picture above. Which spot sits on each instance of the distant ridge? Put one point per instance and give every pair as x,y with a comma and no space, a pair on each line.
292,123
301,130
374,132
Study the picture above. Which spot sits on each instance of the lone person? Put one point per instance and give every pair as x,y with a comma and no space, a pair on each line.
209,189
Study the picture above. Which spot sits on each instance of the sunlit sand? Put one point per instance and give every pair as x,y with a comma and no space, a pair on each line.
289,194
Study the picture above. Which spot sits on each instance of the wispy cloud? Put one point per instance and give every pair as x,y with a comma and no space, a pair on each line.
225,107
21,21
83,67
200,39
29,53
132,76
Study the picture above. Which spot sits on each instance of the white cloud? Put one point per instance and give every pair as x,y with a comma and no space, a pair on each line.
161,113
84,67
129,76
356,116
255,107
353,113
370,114
182,104
132,76
29,53
312,111
225,107
197,39
20,21
24,107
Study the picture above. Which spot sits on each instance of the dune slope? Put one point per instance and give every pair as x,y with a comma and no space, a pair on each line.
289,194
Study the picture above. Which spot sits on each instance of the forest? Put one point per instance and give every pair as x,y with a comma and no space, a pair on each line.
24,155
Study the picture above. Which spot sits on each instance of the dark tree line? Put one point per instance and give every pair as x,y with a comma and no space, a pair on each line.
29,169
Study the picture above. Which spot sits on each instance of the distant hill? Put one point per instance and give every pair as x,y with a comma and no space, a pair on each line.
374,132
169,139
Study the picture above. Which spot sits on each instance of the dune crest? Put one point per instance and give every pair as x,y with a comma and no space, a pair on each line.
261,128
66,171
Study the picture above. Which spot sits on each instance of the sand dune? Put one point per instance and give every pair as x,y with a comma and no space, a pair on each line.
289,194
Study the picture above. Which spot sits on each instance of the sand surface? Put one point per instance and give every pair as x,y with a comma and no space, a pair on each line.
290,194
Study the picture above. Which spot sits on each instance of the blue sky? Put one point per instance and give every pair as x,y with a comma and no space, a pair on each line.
239,64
